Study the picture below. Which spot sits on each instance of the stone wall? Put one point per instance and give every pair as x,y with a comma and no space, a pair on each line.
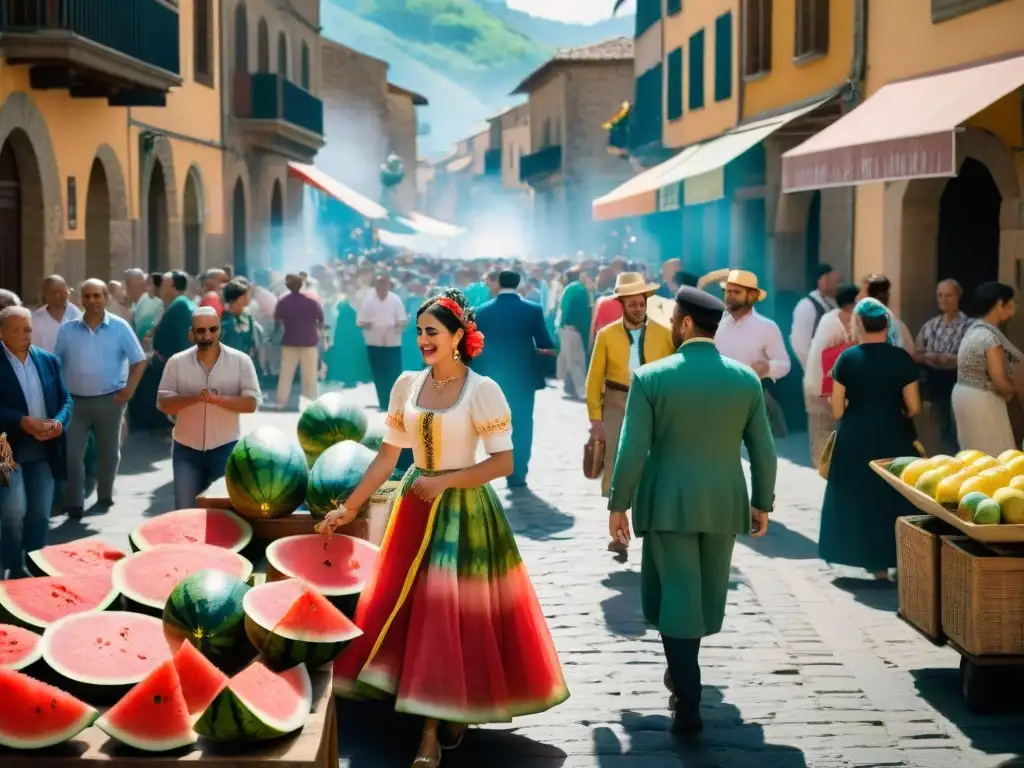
402,140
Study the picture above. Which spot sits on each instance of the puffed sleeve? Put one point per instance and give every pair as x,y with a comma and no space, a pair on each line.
395,433
491,416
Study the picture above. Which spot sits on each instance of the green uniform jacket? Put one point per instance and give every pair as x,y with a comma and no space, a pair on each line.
678,465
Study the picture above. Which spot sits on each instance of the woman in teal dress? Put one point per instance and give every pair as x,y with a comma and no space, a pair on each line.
874,397
347,362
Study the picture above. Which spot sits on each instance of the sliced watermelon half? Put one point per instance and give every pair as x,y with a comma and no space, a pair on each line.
38,602
291,623
259,704
200,680
152,716
337,567
20,648
74,558
100,655
147,578
216,527
35,715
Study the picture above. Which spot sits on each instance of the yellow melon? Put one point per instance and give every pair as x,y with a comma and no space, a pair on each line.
985,462
1017,482
969,455
929,482
914,470
1006,456
986,485
947,492
1011,501
1015,466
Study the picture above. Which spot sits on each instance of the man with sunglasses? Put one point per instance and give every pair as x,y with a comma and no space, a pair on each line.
205,389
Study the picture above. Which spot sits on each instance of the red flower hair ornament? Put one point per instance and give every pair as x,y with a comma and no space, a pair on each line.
474,339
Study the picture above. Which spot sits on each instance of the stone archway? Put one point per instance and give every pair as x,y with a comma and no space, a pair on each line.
30,193
97,224
159,209
119,227
239,234
194,222
277,228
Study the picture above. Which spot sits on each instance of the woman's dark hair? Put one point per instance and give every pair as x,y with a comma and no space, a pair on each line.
235,290
447,318
846,295
874,324
878,287
987,295
156,278
179,280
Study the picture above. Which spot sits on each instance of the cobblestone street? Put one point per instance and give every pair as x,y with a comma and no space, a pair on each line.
813,668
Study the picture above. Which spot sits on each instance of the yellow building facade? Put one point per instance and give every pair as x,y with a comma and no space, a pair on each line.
110,149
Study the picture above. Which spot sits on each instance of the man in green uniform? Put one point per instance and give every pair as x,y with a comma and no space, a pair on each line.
679,469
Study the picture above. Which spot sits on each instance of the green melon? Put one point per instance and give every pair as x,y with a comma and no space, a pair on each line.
327,421
205,609
266,475
335,476
896,466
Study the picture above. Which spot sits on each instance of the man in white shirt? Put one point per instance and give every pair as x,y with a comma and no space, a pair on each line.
809,311
382,317
57,310
205,389
752,339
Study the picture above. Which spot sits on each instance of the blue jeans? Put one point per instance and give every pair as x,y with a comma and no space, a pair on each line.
194,471
25,514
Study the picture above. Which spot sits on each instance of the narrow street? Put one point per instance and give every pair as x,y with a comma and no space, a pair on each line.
811,670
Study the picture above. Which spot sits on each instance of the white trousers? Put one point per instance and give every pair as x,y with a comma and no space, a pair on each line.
305,359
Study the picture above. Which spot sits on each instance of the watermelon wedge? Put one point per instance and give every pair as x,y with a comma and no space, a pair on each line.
147,578
152,716
38,602
259,704
74,558
103,654
216,527
337,567
36,715
19,647
291,623
200,680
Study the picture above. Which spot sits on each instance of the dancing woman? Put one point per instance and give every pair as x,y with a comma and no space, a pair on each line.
452,626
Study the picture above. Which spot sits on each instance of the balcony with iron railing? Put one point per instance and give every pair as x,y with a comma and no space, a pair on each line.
279,115
541,164
99,47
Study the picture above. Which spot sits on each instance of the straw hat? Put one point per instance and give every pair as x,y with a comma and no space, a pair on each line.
744,279
659,310
632,284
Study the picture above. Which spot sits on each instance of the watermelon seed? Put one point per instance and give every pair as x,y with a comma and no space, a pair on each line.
327,563
53,703
142,656
156,699
39,710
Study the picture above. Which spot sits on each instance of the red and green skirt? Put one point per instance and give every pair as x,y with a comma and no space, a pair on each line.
452,627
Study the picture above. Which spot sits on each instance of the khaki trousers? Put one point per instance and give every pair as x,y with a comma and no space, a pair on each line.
572,361
305,359
613,413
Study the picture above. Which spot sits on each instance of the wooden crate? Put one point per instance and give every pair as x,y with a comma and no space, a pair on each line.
982,598
918,548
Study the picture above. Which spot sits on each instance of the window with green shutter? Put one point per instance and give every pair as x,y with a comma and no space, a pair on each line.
672,7
674,85
723,57
696,100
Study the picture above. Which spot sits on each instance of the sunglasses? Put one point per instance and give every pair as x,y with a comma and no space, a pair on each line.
211,330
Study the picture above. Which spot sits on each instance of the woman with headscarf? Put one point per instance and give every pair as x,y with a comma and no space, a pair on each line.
874,397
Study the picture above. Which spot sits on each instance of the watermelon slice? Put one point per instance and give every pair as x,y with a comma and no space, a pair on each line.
40,601
74,558
200,680
216,527
337,567
102,654
36,715
147,578
291,623
153,715
19,648
259,704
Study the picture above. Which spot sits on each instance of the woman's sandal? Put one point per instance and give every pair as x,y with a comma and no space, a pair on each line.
426,762
458,741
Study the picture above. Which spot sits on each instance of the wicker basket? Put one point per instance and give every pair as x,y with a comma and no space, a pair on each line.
982,598
918,544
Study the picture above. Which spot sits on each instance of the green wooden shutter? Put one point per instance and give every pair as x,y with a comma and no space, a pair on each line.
674,85
696,100
672,7
723,57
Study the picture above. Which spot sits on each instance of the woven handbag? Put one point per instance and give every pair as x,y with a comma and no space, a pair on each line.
593,459
7,465
825,460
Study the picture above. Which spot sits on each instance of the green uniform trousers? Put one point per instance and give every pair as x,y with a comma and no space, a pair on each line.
684,581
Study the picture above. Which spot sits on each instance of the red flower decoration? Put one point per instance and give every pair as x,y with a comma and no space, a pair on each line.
474,341
451,306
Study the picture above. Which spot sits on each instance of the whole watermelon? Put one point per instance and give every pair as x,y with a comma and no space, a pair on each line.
266,475
335,476
374,438
329,420
205,609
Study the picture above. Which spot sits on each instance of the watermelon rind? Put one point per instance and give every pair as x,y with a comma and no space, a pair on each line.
206,610
138,741
140,543
327,421
11,612
335,475
327,590
39,563
10,679
186,738
34,654
231,718
266,475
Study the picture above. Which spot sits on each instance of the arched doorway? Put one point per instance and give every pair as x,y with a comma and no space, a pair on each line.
968,240
10,220
277,228
282,55
22,262
157,220
263,47
97,223
238,233
193,222
241,39
812,241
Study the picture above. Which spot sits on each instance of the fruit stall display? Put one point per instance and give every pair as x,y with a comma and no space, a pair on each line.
961,566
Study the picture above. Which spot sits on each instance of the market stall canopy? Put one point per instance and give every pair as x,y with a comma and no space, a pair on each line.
317,179
906,130
429,226
702,166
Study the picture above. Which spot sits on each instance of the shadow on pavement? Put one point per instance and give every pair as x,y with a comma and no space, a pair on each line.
727,740
142,451
795,448
782,542
623,614
372,735
532,517
879,595
69,530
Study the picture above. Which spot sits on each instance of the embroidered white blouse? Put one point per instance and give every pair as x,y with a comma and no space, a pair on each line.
448,439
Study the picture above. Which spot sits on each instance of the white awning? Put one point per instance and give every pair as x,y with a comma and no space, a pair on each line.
317,179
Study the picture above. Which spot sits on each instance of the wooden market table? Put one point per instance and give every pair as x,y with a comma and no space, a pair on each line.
315,746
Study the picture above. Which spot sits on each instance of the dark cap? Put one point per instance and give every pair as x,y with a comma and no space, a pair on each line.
508,279
705,310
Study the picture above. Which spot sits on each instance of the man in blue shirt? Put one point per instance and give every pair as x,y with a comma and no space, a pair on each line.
35,408
103,363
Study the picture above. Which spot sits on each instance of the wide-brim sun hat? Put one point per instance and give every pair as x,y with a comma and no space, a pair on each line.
632,284
659,310
743,279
